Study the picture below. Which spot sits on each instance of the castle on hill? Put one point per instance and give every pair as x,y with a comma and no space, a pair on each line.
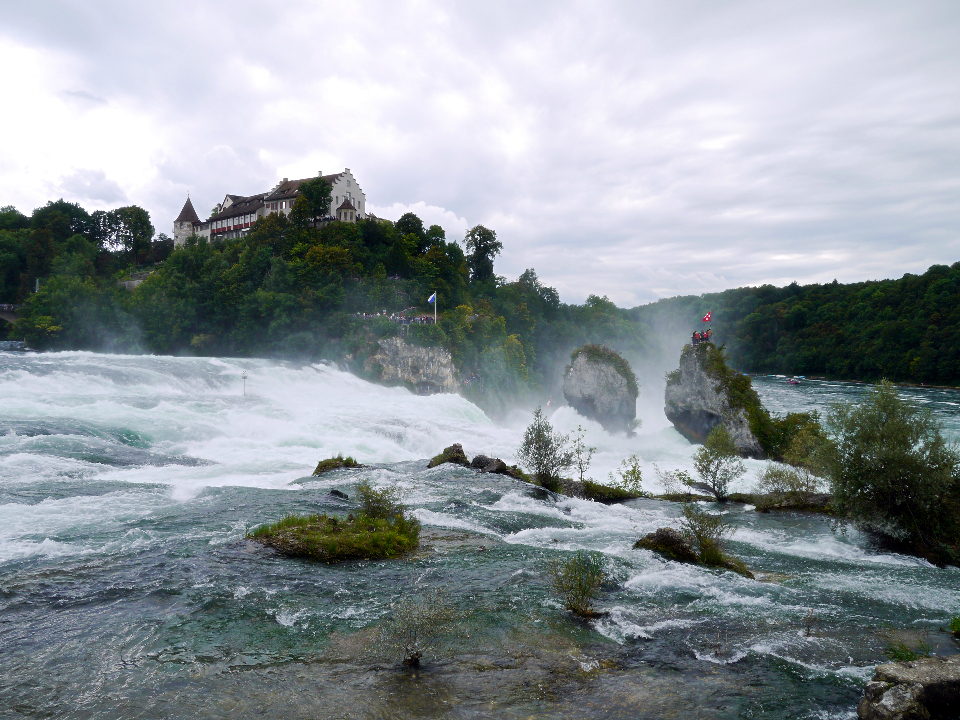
236,214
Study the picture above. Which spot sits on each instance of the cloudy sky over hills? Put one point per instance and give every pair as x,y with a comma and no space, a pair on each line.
631,149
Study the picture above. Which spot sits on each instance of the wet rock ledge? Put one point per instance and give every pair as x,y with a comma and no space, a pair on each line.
915,690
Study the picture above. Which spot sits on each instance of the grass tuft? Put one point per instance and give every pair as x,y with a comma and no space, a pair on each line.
336,463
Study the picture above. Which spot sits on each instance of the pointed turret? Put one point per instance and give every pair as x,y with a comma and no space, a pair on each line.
186,223
188,214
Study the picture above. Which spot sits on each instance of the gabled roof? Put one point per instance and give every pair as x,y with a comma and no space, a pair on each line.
289,188
240,206
188,214
346,205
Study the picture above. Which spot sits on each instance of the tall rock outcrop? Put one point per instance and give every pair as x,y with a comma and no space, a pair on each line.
427,370
703,393
600,385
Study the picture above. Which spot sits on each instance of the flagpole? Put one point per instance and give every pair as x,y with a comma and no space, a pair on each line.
434,308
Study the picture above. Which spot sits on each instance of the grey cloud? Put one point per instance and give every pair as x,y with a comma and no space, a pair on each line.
91,186
84,95
620,148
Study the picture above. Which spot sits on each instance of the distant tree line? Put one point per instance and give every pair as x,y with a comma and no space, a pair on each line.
904,330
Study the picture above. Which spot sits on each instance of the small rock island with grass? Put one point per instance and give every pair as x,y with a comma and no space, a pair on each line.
380,529
336,463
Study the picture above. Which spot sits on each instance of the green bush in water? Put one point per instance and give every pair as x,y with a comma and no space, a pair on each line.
705,532
718,463
893,474
577,581
418,626
954,626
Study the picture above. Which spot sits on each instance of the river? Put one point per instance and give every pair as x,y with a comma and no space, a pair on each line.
127,588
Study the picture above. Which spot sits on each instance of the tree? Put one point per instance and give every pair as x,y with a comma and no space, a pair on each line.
891,471
134,230
582,454
717,462
705,532
631,475
13,219
435,234
418,626
544,452
125,229
410,224
482,247
313,200
61,218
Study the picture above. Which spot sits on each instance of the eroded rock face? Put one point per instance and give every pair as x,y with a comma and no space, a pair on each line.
923,688
429,370
597,389
696,404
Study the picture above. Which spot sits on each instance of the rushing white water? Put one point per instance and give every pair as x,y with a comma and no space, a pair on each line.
115,464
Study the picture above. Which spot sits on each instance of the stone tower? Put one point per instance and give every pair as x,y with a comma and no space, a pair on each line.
186,223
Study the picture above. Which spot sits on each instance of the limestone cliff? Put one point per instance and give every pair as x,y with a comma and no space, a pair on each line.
599,384
697,399
427,370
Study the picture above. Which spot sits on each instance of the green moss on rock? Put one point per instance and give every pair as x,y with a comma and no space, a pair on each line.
331,539
672,545
335,463
606,494
453,454
774,433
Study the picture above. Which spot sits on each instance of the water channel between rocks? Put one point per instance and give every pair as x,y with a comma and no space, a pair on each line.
127,589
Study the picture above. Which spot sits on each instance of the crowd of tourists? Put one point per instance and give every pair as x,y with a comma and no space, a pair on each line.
398,317
701,337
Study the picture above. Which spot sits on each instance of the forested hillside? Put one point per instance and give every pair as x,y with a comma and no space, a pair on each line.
903,330
289,289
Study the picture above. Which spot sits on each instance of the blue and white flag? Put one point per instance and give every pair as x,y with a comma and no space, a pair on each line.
432,298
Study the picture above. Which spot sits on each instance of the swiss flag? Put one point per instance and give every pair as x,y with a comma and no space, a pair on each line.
706,318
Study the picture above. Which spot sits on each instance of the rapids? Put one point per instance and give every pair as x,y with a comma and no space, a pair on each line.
127,590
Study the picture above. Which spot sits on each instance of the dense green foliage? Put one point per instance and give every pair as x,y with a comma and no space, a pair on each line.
893,474
903,330
330,539
607,494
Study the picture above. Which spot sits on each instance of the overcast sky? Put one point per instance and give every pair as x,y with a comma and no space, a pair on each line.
630,149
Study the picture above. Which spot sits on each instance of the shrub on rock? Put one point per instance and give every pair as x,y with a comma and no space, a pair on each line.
380,530
335,463
453,454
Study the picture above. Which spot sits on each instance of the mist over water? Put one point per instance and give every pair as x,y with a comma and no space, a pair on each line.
126,589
